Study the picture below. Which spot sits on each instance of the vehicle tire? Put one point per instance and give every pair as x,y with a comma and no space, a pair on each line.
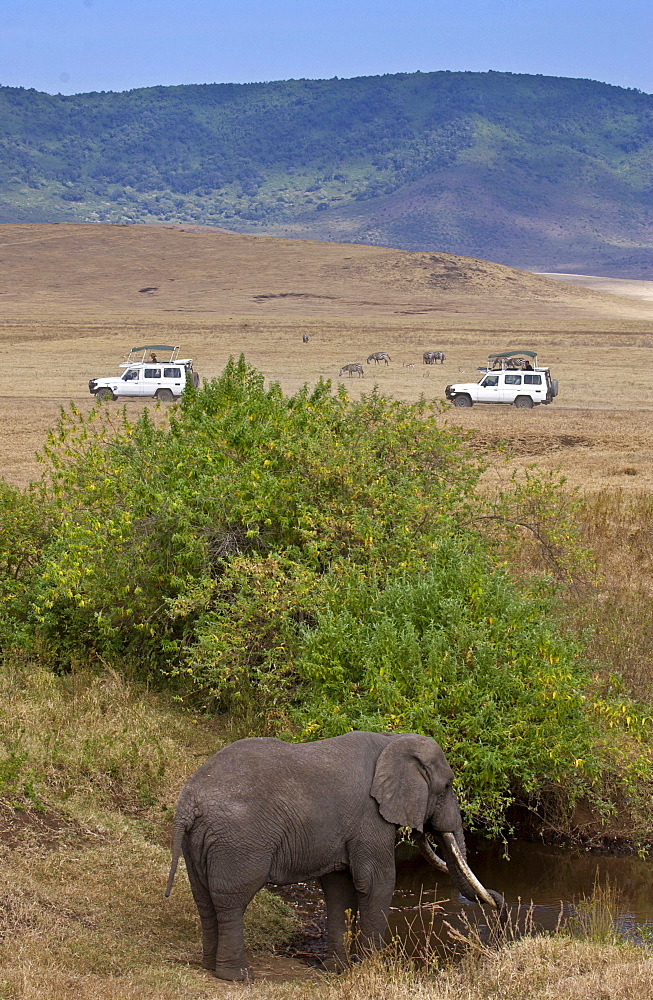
554,387
165,395
462,400
195,380
523,403
104,394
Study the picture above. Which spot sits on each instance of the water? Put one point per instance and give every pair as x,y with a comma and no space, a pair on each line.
540,885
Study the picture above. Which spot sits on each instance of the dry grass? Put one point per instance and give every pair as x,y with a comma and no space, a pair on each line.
143,270
595,450
89,771
94,737
532,969
92,921
542,969
618,526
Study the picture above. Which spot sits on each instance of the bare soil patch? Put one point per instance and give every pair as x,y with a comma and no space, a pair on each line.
39,828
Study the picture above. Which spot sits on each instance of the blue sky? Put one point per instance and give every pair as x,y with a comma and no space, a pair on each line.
72,46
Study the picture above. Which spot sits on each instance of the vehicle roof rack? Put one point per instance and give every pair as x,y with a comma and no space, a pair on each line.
138,355
153,347
514,354
504,358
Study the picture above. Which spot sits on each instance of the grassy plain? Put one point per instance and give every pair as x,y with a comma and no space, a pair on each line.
102,760
75,298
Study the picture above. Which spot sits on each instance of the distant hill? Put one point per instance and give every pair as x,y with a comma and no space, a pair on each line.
73,269
537,172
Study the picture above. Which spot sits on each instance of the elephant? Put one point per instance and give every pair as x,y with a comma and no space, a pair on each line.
263,811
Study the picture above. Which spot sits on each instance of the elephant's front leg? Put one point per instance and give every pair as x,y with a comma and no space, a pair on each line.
342,903
373,911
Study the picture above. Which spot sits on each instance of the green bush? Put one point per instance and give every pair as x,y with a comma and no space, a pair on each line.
25,523
313,564
235,517
460,653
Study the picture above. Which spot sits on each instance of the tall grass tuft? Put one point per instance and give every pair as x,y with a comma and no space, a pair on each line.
595,916
617,615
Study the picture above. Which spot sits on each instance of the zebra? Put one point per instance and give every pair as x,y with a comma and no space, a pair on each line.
305,338
352,369
379,356
430,357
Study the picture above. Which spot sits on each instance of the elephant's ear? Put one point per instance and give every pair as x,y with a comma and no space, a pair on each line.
400,783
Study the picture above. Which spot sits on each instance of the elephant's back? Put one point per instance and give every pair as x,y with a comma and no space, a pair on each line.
260,766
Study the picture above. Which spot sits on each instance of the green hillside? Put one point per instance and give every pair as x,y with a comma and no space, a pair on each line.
533,171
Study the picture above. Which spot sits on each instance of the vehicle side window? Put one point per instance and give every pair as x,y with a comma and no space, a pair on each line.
131,375
152,373
491,380
172,372
532,380
513,379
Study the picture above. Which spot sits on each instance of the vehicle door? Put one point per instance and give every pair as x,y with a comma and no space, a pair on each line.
152,380
175,379
512,387
130,384
488,389
535,386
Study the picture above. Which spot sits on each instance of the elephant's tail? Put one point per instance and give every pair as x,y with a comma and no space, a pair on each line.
183,823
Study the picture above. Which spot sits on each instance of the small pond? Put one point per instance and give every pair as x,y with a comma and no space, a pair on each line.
540,885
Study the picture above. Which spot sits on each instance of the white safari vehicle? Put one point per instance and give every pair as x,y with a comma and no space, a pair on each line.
512,377
148,375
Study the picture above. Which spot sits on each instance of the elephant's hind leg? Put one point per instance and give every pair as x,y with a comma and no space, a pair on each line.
223,943
231,961
234,877
342,905
209,938
207,915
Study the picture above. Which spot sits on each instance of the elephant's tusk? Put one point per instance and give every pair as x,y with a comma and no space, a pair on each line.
480,891
431,856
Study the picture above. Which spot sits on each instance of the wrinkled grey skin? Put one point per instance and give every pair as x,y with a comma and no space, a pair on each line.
264,811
